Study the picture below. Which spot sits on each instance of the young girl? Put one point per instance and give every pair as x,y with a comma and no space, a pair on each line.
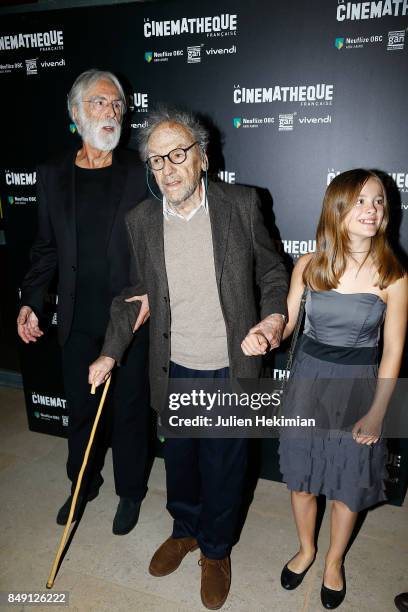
354,285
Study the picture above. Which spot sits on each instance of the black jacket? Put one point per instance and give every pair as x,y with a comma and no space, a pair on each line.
55,244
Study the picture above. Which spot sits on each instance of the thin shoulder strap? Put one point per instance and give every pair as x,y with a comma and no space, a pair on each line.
298,325
295,336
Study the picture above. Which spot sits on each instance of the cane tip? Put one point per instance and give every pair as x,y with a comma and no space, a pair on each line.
49,584
93,389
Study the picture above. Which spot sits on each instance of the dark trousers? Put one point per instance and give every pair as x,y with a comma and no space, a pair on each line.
204,482
125,419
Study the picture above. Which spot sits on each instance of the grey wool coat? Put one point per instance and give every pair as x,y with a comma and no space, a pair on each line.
244,256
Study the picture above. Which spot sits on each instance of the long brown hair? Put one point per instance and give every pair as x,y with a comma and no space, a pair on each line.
328,263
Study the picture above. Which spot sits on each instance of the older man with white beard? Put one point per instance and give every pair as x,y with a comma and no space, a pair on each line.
82,200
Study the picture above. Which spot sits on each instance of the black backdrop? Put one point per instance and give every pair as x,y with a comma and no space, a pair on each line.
297,91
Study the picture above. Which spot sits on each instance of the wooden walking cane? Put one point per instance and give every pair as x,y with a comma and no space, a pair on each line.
64,537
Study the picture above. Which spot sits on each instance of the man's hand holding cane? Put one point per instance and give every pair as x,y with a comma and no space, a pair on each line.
100,370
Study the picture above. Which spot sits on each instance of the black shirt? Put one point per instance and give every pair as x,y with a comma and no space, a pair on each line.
94,217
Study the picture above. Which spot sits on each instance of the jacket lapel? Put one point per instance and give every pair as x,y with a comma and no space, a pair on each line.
67,187
119,175
154,228
220,218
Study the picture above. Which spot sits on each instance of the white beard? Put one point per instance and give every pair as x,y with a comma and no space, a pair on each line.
91,132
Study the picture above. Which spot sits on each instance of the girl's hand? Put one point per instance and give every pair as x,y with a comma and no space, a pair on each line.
368,429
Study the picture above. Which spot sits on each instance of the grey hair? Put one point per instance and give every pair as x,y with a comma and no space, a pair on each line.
185,118
85,80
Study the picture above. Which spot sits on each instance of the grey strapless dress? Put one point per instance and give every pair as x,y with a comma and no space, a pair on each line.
339,342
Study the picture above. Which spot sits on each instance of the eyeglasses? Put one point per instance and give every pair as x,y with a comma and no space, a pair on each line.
176,156
100,104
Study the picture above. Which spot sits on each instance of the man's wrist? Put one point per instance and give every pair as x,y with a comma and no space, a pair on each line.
108,357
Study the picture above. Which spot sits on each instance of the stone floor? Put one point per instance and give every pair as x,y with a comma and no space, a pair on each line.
103,572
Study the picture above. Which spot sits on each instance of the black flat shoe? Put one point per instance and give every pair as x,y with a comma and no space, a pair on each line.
126,517
290,580
63,512
330,598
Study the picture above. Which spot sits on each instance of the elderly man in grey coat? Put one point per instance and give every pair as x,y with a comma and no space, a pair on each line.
198,253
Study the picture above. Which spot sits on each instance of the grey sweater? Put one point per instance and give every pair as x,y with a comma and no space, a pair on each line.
198,337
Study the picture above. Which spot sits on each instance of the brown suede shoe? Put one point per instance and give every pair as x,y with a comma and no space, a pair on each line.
170,554
215,581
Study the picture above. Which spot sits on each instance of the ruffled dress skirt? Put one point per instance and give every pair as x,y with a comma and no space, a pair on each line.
325,459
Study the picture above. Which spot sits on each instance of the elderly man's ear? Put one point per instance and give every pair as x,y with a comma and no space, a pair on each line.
204,163
75,113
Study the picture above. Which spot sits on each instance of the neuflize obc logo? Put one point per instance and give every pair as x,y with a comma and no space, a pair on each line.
237,122
339,43
72,128
148,56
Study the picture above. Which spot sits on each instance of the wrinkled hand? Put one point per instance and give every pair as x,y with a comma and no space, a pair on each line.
27,325
272,328
100,370
368,429
254,344
144,312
